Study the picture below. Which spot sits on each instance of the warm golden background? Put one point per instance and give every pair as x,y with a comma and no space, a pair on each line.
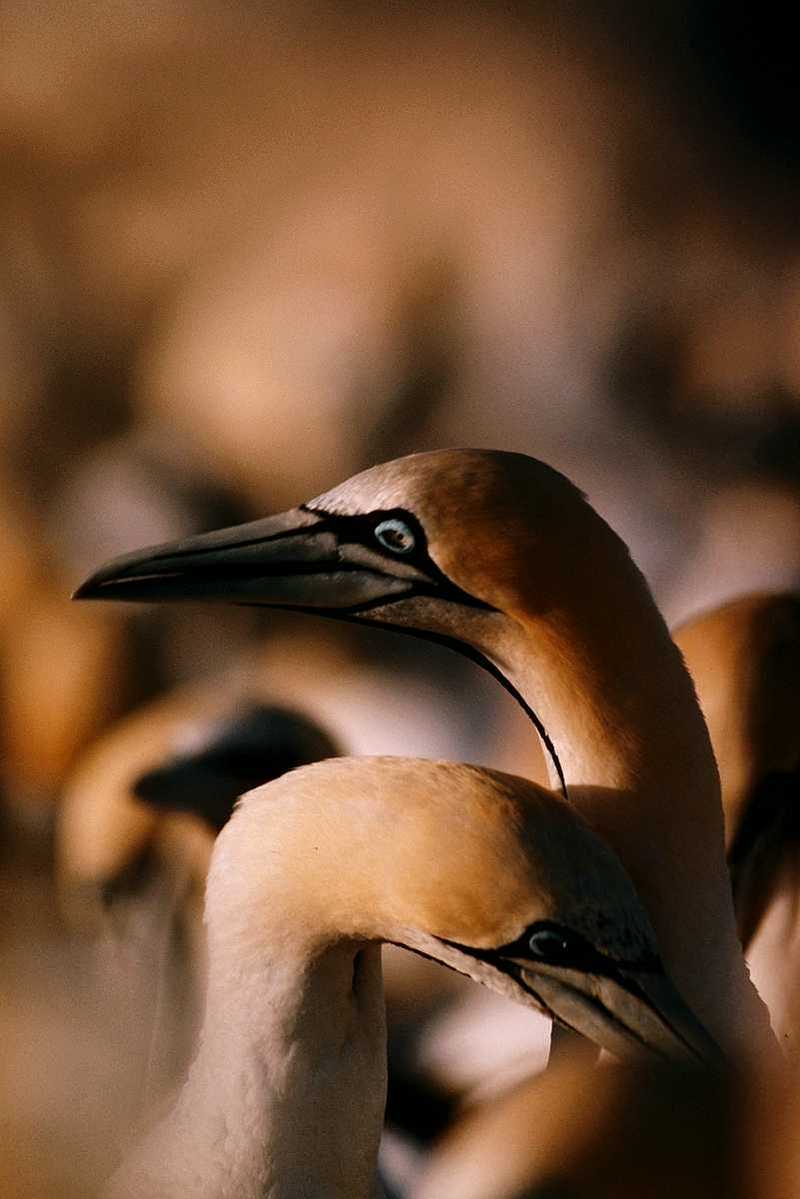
248,248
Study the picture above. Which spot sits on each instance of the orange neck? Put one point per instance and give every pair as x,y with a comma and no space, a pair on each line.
613,694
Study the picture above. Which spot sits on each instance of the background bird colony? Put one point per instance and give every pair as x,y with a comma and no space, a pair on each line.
247,249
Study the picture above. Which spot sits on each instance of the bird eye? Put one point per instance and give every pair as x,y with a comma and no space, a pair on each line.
395,535
552,944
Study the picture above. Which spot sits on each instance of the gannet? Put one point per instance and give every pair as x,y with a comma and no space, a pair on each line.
502,557
485,872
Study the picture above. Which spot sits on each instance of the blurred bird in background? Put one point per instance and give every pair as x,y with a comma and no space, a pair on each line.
246,250
745,660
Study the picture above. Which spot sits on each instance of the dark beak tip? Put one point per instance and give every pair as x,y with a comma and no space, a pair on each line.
101,583
86,590
95,587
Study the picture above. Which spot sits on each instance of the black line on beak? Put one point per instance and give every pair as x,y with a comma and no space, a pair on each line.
501,967
632,987
221,572
598,965
281,535
516,973
357,529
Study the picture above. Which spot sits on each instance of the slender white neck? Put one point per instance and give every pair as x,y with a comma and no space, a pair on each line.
615,697
287,1093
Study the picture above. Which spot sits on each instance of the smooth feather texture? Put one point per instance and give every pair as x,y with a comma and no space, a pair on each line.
512,565
286,1094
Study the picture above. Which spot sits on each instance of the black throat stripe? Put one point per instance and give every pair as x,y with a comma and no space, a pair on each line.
359,528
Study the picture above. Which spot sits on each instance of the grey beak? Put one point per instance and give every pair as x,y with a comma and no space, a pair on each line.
631,1014
290,560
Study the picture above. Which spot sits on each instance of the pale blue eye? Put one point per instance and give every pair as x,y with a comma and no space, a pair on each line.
549,944
395,535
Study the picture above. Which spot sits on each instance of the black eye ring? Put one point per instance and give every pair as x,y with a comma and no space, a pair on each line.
395,535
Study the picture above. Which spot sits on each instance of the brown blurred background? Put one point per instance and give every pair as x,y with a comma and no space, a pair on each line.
247,249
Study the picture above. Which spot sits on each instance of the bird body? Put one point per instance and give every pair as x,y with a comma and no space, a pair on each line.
745,660
489,874
605,1133
501,557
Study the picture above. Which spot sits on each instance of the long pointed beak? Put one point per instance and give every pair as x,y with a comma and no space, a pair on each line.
631,1014
290,560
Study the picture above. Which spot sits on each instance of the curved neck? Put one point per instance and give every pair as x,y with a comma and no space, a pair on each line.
287,1093
614,695
618,702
